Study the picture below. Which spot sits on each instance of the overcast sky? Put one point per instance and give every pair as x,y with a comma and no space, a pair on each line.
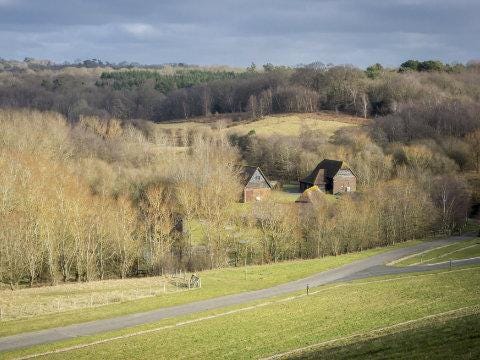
208,32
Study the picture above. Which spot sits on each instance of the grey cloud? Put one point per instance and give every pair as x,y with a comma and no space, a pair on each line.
232,32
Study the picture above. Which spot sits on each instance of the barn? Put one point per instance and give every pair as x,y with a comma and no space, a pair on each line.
256,187
331,176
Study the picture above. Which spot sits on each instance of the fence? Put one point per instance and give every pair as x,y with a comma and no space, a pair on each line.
44,304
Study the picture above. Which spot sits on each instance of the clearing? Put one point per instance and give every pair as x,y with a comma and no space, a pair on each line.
283,124
293,124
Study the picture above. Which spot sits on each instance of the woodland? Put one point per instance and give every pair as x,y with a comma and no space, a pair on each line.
91,187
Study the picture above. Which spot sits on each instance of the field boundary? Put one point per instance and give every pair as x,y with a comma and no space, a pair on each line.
235,311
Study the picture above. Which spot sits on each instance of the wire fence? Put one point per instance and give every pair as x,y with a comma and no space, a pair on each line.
15,305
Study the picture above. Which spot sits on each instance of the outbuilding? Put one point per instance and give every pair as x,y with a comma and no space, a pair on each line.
331,176
256,186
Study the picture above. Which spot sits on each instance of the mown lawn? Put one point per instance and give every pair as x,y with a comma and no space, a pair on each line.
457,338
214,283
462,250
281,325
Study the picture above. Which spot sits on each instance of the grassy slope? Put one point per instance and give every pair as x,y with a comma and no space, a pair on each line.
292,124
288,124
444,339
462,250
214,283
333,312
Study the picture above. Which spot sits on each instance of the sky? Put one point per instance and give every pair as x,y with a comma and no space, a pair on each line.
237,33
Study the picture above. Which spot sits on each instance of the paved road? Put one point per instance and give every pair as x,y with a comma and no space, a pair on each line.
369,267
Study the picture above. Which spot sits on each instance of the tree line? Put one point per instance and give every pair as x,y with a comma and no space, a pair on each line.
102,199
182,93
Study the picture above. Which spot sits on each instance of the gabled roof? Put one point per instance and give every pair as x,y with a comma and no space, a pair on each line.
330,169
344,172
246,173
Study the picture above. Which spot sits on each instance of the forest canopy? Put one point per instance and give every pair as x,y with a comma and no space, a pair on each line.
182,92
91,187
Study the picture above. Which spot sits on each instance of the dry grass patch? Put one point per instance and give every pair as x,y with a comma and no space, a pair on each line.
286,124
37,301
292,124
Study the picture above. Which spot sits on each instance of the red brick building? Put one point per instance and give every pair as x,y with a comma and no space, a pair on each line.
331,176
256,187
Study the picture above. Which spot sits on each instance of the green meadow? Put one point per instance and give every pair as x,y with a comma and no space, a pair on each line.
403,308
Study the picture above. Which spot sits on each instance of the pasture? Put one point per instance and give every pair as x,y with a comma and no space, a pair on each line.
294,124
29,309
285,124
331,317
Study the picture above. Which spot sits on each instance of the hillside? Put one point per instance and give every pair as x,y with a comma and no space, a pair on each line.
281,124
339,319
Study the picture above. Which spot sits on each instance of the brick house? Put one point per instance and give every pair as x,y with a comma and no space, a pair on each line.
256,187
331,176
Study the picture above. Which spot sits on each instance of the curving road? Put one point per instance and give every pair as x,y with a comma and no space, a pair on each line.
369,267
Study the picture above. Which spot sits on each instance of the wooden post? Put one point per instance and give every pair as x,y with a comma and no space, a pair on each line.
308,288
245,267
450,264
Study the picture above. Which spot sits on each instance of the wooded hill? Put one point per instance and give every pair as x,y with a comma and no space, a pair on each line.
182,92
86,197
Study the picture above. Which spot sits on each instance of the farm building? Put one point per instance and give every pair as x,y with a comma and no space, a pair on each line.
330,176
256,187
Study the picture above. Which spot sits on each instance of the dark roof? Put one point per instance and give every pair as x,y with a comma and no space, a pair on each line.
246,173
330,167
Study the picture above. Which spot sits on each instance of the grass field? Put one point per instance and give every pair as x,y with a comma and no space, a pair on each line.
292,124
442,338
287,124
330,313
462,250
214,283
